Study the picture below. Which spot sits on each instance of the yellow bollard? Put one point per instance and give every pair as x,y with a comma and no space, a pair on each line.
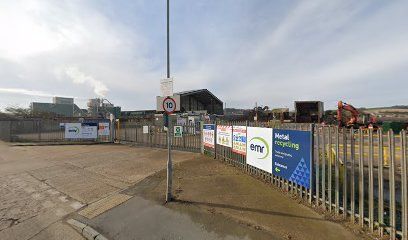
332,151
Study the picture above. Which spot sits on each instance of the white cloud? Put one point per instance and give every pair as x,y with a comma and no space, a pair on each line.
326,50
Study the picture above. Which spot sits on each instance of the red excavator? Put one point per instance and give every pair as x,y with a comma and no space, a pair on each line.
368,121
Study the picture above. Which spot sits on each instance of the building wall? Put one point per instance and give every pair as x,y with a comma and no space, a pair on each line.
190,103
62,100
59,109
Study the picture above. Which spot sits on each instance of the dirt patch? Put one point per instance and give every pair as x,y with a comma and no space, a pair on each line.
219,189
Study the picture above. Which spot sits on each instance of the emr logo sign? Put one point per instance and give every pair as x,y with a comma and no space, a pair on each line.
259,152
260,147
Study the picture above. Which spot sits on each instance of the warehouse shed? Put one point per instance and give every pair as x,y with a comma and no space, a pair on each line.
200,100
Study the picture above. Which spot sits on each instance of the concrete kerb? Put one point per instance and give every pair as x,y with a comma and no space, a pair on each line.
86,231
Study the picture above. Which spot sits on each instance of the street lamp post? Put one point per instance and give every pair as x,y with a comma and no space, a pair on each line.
169,162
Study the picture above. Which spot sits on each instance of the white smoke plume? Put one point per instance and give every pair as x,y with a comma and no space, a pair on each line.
79,77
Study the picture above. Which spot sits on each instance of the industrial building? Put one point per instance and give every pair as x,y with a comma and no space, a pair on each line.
101,107
200,101
60,106
65,107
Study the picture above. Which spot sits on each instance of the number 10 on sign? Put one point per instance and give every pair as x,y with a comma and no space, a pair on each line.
169,105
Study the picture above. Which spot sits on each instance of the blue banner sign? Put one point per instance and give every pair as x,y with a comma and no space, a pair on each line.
292,155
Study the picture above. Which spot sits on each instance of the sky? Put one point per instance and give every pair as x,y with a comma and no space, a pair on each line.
244,51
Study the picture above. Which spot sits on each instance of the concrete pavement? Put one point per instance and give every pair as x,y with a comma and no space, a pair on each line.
41,185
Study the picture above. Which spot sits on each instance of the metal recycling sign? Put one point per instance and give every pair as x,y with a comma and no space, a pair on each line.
292,155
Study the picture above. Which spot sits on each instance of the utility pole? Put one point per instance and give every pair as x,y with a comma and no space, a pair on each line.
166,115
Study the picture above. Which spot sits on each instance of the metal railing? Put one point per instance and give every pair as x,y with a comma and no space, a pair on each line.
41,130
150,134
358,174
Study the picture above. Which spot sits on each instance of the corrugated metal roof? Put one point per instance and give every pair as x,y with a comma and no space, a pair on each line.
198,91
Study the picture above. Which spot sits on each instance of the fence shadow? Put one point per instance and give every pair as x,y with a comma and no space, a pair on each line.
238,208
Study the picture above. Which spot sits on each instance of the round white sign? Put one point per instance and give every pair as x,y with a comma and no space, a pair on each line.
169,105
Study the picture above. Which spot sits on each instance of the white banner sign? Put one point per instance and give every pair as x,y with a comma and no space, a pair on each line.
145,129
239,139
166,87
103,129
73,130
208,135
81,130
89,130
224,135
259,148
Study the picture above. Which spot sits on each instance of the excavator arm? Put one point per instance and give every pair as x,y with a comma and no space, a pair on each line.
346,107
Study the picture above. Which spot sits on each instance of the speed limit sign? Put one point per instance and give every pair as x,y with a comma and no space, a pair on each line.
169,105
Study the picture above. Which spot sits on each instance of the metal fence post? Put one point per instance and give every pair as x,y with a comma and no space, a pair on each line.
201,137
345,169
323,169
39,130
392,184
370,180
352,178
317,162
337,174
330,166
312,128
404,189
215,140
361,177
380,183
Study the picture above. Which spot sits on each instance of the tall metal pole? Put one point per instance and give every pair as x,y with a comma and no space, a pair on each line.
169,162
168,39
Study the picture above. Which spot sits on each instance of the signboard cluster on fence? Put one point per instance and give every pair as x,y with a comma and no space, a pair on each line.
85,130
284,153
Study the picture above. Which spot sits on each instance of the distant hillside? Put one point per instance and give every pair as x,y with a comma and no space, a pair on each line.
384,108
